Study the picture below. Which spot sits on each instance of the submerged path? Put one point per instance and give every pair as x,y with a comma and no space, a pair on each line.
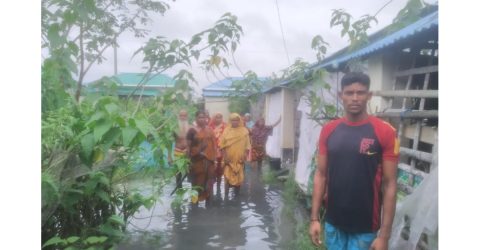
251,219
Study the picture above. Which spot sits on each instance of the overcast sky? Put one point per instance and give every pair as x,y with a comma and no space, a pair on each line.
261,48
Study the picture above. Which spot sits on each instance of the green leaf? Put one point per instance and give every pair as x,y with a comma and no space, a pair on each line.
49,190
89,5
72,239
196,54
115,219
111,108
90,186
195,40
121,122
54,241
104,180
144,126
211,37
74,48
95,239
128,133
330,109
111,136
72,190
87,143
109,230
53,35
101,128
95,117
131,122
323,49
71,248
103,195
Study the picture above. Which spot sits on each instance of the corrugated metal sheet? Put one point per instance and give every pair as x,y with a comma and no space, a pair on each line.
135,78
222,87
127,82
424,23
223,84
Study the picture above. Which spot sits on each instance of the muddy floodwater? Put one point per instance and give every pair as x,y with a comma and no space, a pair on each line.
251,219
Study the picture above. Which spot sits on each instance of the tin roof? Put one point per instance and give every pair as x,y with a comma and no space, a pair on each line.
127,82
425,23
223,87
379,41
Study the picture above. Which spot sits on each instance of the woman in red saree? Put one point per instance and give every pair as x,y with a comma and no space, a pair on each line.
218,126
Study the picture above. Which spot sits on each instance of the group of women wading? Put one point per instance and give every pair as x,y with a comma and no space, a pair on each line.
217,149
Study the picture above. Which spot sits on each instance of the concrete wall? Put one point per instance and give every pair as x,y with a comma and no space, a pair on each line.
380,69
217,104
287,110
288,119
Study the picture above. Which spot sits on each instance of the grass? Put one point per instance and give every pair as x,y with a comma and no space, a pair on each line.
302,241
268,176
291,196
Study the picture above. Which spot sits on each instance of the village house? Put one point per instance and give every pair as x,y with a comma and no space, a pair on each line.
402,63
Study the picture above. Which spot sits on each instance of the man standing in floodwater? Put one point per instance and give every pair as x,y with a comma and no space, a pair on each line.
356,155
180,148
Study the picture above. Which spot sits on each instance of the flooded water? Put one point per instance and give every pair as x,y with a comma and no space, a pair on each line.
251,219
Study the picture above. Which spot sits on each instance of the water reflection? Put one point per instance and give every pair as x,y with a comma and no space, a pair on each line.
250,219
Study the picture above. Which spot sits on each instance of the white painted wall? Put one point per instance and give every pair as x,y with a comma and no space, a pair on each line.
217,104
273,108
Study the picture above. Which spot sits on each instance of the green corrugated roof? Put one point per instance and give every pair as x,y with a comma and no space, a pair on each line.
127,82
135,78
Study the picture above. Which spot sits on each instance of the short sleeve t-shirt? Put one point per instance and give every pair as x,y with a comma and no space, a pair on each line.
355,152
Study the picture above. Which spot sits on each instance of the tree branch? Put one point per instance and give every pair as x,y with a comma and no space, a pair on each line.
236,65
82,62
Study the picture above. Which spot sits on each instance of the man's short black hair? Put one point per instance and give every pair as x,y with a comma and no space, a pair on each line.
353,77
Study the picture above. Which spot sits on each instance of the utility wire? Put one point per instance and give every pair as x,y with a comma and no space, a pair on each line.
283,35
382,8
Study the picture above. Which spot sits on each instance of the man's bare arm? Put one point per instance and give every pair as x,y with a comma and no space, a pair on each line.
319,184
389,197
389,201
319,181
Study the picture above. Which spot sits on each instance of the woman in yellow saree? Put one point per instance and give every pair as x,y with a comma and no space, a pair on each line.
234,144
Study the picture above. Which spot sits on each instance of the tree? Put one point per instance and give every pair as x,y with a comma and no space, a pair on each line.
77,32
89,147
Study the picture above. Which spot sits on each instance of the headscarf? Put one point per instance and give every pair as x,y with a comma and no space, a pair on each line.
217,130
231,135
212,124
235,116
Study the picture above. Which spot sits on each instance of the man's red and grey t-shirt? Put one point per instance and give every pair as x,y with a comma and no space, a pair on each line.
354,161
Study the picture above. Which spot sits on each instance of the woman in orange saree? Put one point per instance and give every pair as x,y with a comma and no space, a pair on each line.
202,151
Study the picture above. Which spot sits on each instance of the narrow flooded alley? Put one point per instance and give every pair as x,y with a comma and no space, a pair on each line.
251,219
